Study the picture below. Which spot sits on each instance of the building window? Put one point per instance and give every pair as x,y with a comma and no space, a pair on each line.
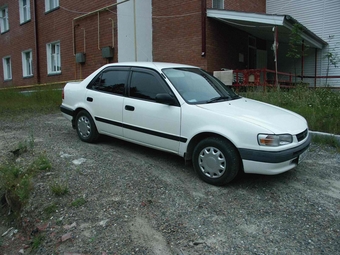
51,4
25,11
27,68
53,58
218,4
4,24
7,65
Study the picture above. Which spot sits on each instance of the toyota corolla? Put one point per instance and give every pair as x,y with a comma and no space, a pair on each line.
184,110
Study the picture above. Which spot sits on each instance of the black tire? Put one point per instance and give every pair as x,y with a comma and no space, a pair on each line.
216,161
86,129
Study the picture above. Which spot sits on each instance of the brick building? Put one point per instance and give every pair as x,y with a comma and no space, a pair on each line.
41,47
47,41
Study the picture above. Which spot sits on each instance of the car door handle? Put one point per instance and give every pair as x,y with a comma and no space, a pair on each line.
129,108
90,99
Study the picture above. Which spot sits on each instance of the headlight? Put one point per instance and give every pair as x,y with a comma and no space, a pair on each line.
274,140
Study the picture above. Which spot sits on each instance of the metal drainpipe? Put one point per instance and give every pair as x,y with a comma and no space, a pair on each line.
276,57
315,66
302,59
203,26
113,32
89,14
98,15
36,42
135,29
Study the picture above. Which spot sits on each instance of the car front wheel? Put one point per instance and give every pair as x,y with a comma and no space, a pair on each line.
86,128
216,161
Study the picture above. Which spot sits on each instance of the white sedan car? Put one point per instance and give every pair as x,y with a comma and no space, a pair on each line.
184,110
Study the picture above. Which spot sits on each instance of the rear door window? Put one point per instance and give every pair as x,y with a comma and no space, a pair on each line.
111,81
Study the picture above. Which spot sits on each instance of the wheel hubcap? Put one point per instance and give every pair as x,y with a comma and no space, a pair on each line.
84,126
212,162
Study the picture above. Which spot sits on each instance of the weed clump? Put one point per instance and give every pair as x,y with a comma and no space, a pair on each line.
50,209
78,202
59,189
16,180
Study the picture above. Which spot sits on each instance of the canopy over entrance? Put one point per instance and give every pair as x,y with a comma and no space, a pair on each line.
261,25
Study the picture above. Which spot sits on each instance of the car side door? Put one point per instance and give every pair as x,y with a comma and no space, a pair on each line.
146,120
105,96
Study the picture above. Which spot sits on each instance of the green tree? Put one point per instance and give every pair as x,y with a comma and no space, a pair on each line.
295,50
332,56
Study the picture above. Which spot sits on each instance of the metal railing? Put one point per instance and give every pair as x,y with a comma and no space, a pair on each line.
267,78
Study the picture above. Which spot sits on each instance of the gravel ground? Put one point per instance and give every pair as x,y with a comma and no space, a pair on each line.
142,201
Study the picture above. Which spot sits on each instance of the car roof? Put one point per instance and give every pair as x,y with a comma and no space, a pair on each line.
153,65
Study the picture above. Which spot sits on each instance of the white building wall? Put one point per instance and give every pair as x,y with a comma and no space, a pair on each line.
322,18
134,30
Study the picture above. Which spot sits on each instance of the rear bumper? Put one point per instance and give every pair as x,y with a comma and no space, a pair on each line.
68,114
66,110
270,163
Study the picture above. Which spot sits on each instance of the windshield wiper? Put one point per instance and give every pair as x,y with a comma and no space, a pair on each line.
220,98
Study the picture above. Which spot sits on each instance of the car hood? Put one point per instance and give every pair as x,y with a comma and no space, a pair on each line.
270,117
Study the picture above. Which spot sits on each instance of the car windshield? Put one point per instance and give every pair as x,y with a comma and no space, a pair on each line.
198,87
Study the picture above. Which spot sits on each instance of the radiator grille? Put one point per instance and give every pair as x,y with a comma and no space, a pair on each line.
302,135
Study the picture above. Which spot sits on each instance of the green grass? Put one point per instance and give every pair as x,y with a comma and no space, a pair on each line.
42,163
320,107
78,202
37,241
16,180
50,209
10,176
24,188
16,184
15,187
43,100
59,189
24,146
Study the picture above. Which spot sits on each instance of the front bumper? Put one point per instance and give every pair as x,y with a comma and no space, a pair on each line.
269,162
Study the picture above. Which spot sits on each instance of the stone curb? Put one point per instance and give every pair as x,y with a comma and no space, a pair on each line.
317,133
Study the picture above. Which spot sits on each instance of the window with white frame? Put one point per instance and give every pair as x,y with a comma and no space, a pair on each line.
51,4
7,66
27,67
53,58
218,4
24,10
4,24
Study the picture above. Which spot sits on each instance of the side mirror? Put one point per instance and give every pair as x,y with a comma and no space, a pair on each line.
165,98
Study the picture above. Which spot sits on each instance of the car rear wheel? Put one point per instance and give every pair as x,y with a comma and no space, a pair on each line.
216,161
86,128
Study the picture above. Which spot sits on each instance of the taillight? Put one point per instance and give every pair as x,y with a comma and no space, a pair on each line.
63,95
